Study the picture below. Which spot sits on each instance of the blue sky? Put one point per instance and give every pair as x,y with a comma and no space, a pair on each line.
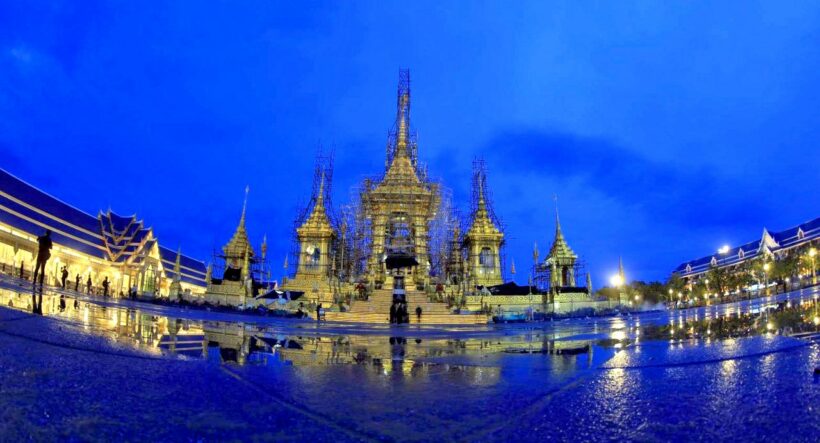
666,128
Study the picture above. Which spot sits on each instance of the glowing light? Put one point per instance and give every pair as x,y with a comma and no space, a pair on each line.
766,267
812,252
724,249
616,280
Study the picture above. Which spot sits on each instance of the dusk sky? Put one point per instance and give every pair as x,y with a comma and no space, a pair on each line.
666,129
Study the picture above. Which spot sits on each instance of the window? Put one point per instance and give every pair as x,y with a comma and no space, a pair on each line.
315,258
486,260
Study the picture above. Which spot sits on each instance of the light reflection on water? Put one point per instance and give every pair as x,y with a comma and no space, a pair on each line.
479,359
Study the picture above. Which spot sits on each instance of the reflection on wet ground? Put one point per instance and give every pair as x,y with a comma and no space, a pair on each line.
584,379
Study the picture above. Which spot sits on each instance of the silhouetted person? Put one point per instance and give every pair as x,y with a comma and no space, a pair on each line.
418,313
393,313
43,254
64,276
105,286
77,283
88,285
318,312
62,302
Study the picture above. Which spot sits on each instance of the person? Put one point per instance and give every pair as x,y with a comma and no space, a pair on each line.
418,313
43,254
62,302
88,284
64,277
105,286
318,312
77,283
393,313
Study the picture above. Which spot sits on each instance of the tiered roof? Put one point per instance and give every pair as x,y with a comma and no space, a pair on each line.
769,243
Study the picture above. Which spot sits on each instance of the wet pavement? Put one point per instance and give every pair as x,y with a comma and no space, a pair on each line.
127,370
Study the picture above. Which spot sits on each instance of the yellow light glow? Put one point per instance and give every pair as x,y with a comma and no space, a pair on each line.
724,249
616,280
812,252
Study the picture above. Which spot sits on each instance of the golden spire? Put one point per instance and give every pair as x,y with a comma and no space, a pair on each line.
621,270
264,248
535,252
512,267
560,248
178,265
402,124
239,241
244,207
558,233
318,219
482,223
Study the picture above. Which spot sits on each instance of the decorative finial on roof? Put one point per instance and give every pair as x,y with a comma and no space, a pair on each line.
320,197
264,245
244,206
512,267
177,264
621,270
558,233
535,252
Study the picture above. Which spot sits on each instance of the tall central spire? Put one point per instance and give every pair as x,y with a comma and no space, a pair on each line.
400,145
403,123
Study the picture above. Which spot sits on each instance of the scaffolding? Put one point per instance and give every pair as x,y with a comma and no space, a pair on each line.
487,228
321,194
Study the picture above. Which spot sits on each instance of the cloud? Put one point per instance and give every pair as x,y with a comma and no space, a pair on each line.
666,192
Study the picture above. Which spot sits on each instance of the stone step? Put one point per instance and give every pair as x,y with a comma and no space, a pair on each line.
440,319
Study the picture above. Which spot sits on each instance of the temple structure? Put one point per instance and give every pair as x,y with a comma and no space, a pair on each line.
121,248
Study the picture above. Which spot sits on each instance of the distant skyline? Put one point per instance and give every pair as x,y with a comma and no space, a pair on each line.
666,130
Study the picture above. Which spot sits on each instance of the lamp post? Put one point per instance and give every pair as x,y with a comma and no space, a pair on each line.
616,281
812,254
723,252
766,267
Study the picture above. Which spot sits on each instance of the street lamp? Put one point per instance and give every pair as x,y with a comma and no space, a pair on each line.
812,254
766,267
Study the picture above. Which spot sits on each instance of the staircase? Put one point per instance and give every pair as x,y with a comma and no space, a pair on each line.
377,310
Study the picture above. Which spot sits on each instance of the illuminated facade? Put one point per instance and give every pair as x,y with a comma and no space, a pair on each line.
108,245
795,241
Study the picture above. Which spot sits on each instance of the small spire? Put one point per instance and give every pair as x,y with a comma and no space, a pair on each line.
177,264
589,283
535,252
621,270
285,265
244,206
320,197
264,247
512,267
558,232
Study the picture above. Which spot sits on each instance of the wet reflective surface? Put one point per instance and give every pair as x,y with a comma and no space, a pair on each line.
702,374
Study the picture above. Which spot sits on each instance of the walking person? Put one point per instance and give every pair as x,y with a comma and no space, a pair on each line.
88,284
43,254
318,312
418,314
393,313
105,286
77,283
63,277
